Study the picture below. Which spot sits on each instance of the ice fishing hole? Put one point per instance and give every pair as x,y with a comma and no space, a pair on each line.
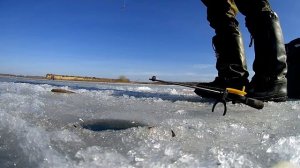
110,124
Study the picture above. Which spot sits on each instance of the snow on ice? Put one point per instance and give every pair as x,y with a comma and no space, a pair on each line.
172,127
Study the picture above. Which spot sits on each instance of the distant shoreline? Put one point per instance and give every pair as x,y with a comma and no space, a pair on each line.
121,79
23,76
77,79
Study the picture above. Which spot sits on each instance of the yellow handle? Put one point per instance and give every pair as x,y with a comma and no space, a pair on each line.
236,91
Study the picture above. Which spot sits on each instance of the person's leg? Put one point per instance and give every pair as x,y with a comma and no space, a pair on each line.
228,44
269,81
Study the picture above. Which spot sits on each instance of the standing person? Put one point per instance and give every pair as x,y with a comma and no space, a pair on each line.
269,82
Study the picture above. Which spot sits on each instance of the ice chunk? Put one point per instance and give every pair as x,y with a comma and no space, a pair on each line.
288,148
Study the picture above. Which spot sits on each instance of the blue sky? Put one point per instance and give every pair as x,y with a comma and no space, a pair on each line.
101,38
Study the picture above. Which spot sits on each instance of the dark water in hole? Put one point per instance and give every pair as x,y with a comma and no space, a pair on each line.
110,124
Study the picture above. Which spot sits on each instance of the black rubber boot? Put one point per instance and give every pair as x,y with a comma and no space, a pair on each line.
269,82
231,62
267,89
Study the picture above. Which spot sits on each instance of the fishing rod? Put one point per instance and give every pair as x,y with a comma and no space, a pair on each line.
221,95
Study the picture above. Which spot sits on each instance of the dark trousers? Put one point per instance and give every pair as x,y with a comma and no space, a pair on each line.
223,12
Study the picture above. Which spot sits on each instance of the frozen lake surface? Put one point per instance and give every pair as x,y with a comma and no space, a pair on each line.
167,126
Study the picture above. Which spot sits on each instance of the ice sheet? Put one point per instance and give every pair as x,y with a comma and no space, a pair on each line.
37,128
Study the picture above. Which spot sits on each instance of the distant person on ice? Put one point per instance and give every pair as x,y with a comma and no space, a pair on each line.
269,82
